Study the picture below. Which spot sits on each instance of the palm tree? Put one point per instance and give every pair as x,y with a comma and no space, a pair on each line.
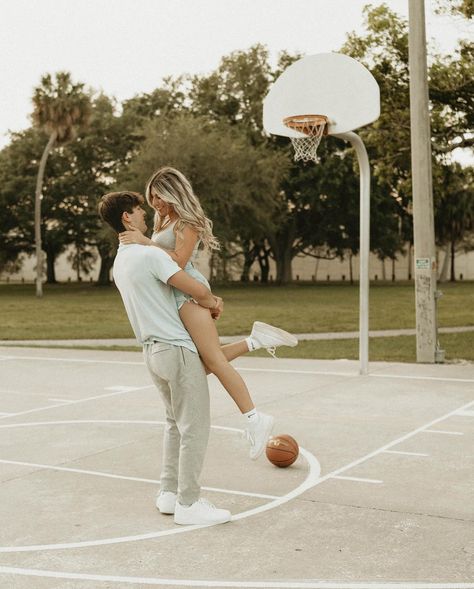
61,108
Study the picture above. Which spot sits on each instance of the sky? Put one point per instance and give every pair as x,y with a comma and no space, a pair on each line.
126,47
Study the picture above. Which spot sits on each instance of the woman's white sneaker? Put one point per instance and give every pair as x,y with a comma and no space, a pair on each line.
257,433
267,336
201,512
165,502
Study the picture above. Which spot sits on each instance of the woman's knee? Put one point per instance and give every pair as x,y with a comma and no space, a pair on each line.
214,360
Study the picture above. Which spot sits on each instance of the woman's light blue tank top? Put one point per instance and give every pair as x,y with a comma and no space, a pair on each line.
166,239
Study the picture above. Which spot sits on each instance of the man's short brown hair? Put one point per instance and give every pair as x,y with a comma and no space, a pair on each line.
114,204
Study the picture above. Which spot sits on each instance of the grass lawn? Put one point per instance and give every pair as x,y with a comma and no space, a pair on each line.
84,311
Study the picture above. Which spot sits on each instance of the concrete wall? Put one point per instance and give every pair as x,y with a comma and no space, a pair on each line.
304,268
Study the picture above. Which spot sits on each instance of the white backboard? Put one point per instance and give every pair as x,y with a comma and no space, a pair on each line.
330,84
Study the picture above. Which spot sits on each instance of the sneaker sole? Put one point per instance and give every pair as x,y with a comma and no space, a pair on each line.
290,340
169,511
165,512
201,523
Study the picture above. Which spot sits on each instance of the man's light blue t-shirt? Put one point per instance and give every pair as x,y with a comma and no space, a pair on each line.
141,273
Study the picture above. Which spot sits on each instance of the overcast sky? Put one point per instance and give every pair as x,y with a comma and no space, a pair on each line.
125,47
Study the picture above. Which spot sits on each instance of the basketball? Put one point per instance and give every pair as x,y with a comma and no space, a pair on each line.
282,450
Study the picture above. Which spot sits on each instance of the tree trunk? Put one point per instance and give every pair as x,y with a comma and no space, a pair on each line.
38,196
316,267
50,269
106,263
249,257
263,257
107,256
351,273
264,263
443,275
453,254
283,266
282,247
409,261
212,265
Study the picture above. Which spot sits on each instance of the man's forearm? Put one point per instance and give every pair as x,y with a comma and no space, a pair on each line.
207,299
200,293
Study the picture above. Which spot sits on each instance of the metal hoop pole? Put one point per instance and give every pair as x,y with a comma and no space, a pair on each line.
364,247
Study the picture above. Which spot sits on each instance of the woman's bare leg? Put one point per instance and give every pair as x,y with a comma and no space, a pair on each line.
235,349
202,329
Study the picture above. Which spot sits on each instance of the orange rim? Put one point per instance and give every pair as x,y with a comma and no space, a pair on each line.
307,124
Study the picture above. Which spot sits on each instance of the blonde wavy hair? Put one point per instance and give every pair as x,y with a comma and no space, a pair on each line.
175,189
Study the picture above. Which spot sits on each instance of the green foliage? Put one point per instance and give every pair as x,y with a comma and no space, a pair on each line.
464,8
235,91
210,126
234,180
60,106
452,97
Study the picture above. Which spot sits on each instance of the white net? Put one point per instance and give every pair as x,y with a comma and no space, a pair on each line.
312,126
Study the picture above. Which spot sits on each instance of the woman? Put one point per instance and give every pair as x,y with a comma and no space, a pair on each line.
180,227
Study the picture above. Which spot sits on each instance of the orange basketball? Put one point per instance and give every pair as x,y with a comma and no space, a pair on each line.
282,450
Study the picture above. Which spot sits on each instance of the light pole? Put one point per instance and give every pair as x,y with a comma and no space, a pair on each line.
423,219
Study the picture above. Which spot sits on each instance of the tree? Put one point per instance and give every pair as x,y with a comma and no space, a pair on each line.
454,211
234,179
464,8
384,50
18,168
452,97
60,109
235,91
99,156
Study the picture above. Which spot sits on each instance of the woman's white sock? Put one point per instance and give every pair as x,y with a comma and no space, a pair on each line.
251,415
252,344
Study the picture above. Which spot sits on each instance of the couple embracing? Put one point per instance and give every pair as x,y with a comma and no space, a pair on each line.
172,311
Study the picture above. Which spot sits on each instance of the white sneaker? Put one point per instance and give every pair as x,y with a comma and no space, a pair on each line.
165,502
201,512
257,433
266,336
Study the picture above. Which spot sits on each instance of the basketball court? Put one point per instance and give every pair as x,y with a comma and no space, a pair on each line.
380,496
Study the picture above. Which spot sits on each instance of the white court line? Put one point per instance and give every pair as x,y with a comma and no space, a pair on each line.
391,444
79,360
118,388
466,413
310,480
125,478
243,584
359,480
309,483
113,421
404,453
239,368
406,377
7,414
38,409
353,374
439,431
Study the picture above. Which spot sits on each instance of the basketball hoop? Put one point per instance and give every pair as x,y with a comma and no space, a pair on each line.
313,127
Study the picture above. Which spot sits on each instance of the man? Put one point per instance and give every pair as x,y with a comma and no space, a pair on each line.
144,276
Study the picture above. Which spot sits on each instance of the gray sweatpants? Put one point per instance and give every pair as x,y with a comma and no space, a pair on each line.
179,376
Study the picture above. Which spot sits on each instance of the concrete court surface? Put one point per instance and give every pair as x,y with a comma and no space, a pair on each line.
382,494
